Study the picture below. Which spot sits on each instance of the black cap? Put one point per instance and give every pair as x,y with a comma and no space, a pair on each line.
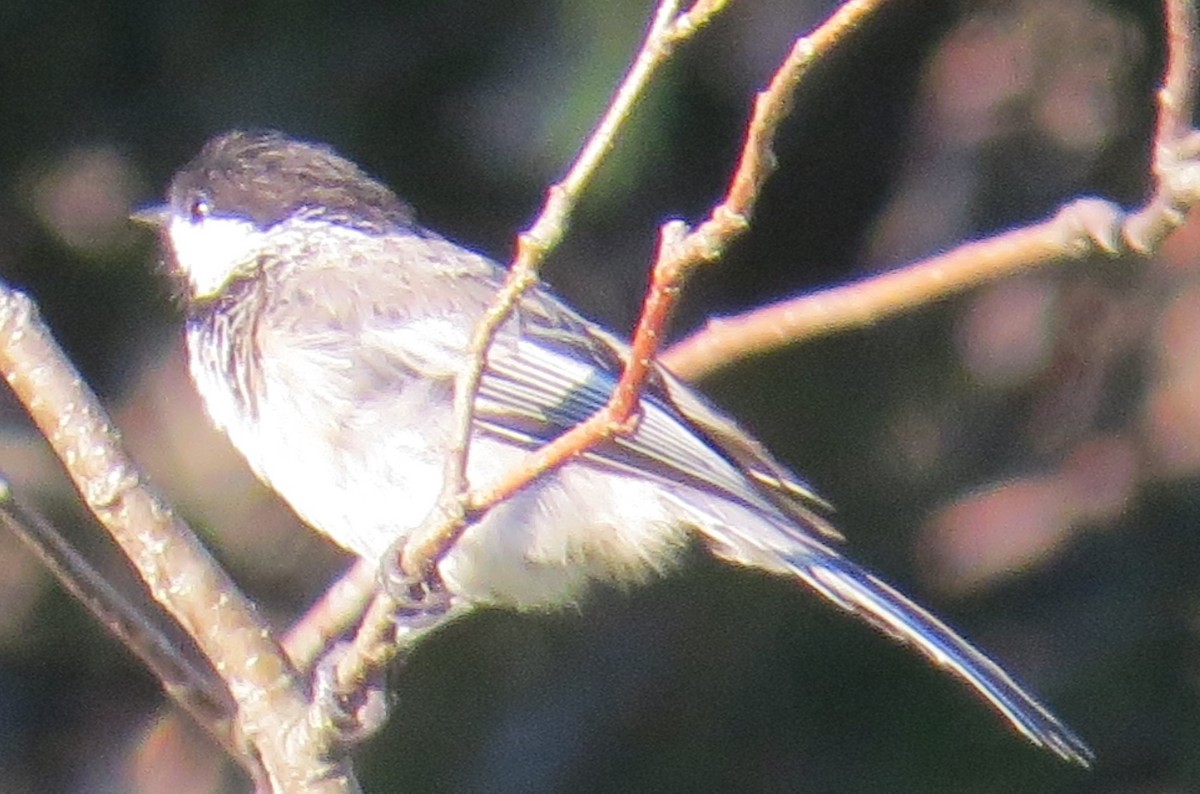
266,177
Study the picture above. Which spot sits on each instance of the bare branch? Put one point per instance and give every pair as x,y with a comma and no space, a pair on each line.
668,29
1082,228
194,689
1176,143
176,568
339,609
1085,227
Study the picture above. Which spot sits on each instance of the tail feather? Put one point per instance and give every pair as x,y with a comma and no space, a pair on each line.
788,551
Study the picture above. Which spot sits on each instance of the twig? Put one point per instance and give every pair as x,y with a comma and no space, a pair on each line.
668,29
1079,229
681,251
176,568
1082,228
338,610
1176,143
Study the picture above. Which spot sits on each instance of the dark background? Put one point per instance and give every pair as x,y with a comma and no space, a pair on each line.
1023,458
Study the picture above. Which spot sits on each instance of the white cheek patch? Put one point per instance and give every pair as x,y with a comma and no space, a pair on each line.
212,250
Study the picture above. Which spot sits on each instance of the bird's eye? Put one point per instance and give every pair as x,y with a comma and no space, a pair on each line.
199,208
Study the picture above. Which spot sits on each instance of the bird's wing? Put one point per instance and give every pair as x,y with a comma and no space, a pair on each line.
562,369
547,370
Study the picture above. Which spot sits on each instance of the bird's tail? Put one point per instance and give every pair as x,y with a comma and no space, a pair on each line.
785,549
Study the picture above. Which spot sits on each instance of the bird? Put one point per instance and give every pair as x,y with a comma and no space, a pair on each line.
324,330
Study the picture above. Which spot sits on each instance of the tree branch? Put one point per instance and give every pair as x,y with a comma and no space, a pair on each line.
179,572
195,690
1082,228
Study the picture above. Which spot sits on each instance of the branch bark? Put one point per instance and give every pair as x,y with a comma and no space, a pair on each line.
179,572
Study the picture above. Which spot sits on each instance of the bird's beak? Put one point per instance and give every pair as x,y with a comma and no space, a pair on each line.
155,216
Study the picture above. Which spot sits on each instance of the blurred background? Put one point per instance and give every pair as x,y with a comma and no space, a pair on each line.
1023,459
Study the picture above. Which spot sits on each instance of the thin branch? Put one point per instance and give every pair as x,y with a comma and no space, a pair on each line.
1082,228
386,634
1176,143
196,690
338,610
561,197
176,568
667,30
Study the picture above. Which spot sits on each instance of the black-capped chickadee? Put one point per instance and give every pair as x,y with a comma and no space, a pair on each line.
324,332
